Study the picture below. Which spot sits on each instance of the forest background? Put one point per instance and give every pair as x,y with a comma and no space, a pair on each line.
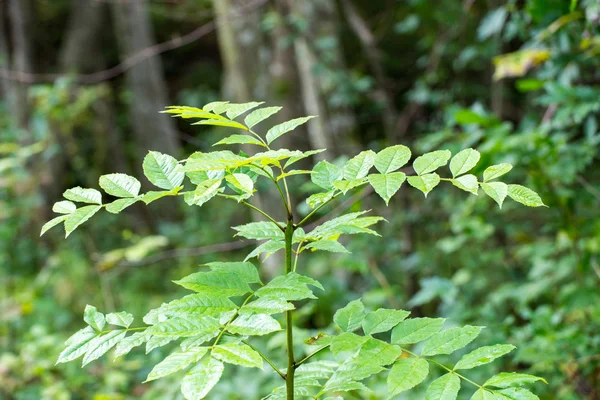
81,84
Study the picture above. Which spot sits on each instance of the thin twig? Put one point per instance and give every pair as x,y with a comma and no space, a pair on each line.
281,374
308,357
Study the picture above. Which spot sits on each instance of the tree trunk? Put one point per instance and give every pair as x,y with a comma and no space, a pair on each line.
19,12
153,131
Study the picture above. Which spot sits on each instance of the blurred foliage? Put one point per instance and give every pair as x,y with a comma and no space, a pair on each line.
532,277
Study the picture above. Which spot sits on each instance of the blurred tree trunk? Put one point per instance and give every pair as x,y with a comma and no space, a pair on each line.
19,13
153,131
5,87
333,129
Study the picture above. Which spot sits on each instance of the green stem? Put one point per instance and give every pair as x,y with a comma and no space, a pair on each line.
258,210
317,209
308,357
233,317
289,377
281,374
444,367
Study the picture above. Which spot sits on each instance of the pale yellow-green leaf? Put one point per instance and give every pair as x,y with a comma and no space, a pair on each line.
496,190
81,195
525,196
406,374
496,171
285,127
64,207
79,217
429,162
386,185
464,161
162,170
468,183
425,183
120,185
221,122
392,158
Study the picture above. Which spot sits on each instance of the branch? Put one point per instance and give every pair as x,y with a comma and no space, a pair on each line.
281,374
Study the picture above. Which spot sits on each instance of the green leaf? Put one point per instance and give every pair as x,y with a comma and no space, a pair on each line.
77,345
155,195
387,185
496,190
516,394
429,162
346,186
415,330
128,343
77,218
98,346
254,325
496,171
359,166
162,170
155,342
52,223
257,116
241,181
406,374
445,387
64,207
216,282
464,161
392,158
245,270
450,340
238,354
221,122
81,195
483,394
268,247
468,183
120,204
120,185
259,230
293,173
483,355
302,156
235,110
240,139
317,199
382,320
332,246
198,304
285,127
325,173
185,327
507,379
291,287
347,342
122,318
266,306
202,378
425,183
203,193
94,318
217,107
175,362
525,196
351,316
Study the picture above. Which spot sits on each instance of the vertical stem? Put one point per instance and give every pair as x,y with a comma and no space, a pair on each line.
289,378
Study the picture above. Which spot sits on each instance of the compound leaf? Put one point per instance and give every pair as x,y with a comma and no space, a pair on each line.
464,161
415,330
238,354
429,162
392,158
445,387
382,320
406,374
285,127
351,316
202,378
120,185
450,340
162,170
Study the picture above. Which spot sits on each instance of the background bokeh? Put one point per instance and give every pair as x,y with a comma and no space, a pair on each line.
82,82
